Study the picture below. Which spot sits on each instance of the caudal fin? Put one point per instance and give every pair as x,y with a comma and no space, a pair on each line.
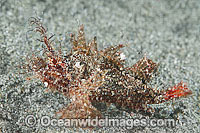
179,90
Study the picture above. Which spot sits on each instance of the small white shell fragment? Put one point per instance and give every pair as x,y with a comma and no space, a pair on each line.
85,104
45,84
122,56
98,69
78,64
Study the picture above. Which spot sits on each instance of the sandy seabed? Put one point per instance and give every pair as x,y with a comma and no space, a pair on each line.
166,31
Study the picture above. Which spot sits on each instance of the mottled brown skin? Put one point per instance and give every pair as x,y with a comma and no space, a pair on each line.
88,76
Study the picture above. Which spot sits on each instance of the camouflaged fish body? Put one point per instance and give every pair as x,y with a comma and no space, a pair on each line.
87,76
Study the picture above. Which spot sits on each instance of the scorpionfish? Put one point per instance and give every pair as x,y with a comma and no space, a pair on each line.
87,76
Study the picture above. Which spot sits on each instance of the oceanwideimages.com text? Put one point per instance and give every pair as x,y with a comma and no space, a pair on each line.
129,123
